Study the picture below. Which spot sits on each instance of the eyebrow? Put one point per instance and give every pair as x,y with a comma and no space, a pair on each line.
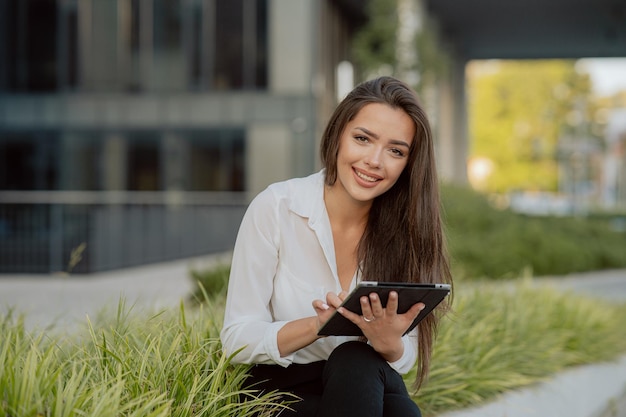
375,136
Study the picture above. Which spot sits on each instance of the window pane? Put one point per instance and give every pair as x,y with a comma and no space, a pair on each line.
100,46
28,161
168,66
144,171
217,161
70,43
134,68
31,53
261,44
195,47
229,44
80,161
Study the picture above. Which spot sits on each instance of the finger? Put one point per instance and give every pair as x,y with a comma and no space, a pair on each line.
353,317
376,305
392,304
320,305
415,310
366,308
333,300
343,295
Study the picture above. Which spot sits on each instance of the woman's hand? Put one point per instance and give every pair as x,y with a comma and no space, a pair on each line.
302,332
325,309
383,327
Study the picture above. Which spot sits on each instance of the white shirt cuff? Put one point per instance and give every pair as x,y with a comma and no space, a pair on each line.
407,360
270,342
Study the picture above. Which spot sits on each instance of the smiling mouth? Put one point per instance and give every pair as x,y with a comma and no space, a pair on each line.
366,177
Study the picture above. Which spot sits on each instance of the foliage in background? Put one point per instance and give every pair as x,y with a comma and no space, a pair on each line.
518,111
486,242
212,283
433,63
614,101
374,47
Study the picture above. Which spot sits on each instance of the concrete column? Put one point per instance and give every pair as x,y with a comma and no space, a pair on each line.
71,162
461,127
114,163
452,131
290,40
269,155
83,161
175,162
98,20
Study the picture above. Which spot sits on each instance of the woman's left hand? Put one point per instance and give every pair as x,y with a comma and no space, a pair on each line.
383,326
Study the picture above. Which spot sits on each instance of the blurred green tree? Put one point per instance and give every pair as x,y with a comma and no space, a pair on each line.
517,112
374,46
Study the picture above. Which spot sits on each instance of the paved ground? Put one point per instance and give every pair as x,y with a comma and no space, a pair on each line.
587,391
64,301
609,285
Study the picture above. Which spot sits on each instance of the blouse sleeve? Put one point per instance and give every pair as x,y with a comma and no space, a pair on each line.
248,321
409,356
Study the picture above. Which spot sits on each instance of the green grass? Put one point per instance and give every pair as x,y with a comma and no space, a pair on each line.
131,363
503,337
498,337
212,284
168,364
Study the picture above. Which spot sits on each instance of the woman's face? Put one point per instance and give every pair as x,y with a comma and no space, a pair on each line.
373,151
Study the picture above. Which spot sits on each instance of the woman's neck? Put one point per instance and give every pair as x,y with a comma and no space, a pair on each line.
343,211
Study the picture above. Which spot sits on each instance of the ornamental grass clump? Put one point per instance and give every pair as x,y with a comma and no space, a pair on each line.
131,363
504,337
168,364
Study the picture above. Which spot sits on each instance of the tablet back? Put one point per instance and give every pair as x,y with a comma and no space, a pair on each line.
408,295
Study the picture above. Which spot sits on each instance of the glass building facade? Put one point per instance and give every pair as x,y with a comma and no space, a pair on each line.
128,47
140,129
133,45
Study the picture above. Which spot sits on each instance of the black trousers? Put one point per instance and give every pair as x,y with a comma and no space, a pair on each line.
354,381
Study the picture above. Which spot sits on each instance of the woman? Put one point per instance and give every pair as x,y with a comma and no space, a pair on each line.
372,213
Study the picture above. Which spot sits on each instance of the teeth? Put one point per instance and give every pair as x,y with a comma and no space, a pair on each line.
365,177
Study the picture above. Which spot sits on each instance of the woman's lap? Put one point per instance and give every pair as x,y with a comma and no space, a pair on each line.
355,381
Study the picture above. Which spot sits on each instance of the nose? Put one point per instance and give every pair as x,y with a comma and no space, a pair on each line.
373,157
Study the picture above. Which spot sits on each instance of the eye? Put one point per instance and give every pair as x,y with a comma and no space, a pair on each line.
359,138
398,152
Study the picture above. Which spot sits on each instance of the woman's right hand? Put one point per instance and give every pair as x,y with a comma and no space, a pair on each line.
325,309
299,333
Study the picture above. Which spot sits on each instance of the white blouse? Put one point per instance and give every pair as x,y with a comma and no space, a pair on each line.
284,258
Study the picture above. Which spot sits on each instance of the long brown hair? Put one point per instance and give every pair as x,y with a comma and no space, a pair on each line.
403,240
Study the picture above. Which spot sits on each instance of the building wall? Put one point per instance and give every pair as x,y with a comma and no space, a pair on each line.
614,163
299,96
106,99
291,34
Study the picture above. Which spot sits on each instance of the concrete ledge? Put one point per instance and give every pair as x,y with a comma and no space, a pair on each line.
586,391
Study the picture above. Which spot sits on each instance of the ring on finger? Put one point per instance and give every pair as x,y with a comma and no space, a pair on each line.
369,320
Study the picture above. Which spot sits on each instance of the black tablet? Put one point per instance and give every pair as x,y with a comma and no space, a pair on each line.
408,295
